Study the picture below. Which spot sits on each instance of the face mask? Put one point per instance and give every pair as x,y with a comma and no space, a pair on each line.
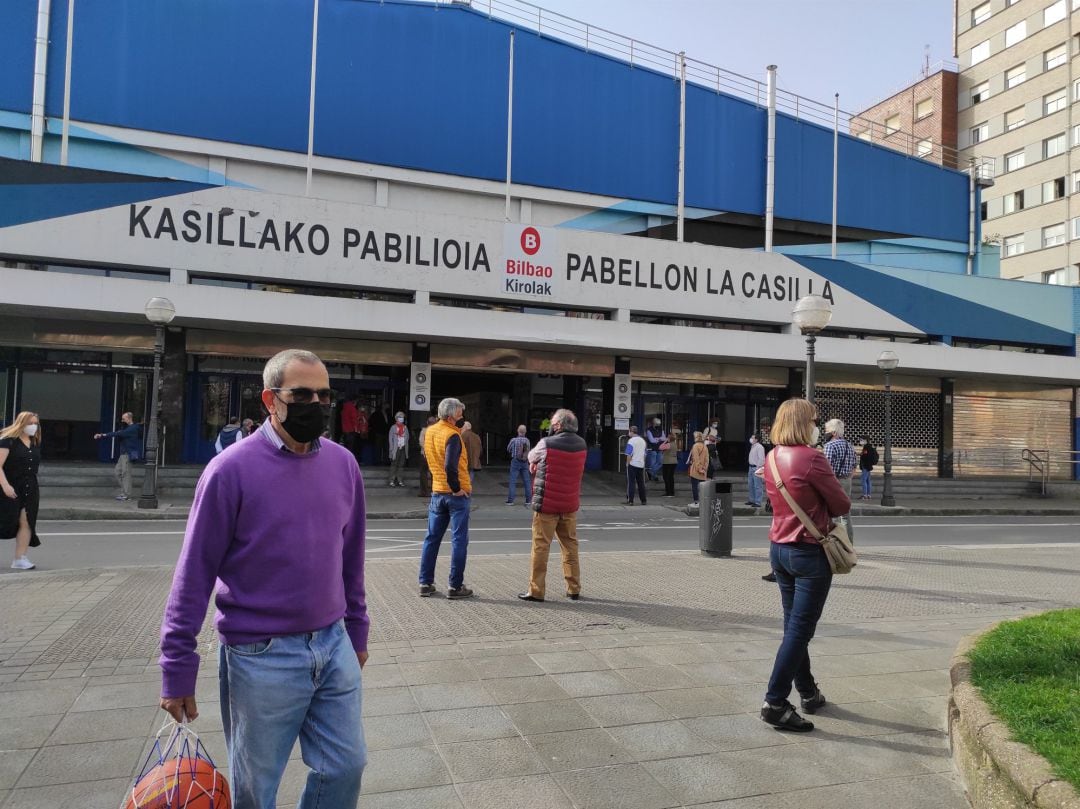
305,421
30,430
815,436
400,420
459,423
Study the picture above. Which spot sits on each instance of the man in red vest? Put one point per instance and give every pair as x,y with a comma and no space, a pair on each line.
557,463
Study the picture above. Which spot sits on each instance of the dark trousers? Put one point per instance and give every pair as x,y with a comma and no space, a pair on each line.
804,577
635,476
669,479
425,478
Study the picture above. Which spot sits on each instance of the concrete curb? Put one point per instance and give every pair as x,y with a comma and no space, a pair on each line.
997,772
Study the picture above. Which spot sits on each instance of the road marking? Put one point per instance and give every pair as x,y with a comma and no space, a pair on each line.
112,533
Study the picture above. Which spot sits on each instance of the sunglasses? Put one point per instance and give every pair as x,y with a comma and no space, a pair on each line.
304,395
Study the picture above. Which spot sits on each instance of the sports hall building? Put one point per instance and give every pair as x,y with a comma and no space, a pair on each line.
492,202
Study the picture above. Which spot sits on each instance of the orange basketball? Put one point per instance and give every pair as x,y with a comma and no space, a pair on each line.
181,783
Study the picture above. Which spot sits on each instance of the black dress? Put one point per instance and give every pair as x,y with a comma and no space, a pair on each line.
20,469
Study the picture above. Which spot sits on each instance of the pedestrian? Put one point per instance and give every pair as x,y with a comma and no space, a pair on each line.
398,449
635,466
349,416
228,435
518,450
840,453
247,426
797,558
278,525
474,449
558,463
130,437
755,461
654,437
425,473
20,456
711,434
669,459
698,465
868,458
378,424
363,431
451,490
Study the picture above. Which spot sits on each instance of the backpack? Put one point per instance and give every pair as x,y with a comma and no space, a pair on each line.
871,456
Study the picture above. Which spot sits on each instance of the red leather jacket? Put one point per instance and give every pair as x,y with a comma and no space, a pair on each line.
811,482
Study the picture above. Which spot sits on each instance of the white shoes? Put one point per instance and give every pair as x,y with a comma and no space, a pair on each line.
22,563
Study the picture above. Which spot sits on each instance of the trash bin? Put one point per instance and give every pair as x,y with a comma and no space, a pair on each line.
714,518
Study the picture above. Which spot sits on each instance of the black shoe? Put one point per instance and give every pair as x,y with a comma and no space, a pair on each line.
573,596
814,703
528,597
459,592
784,717
748,503
769,577
427,590
628,503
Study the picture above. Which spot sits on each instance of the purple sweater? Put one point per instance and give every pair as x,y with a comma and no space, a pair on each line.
282,537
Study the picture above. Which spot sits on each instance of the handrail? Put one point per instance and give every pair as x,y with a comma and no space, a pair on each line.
1037,462
623,439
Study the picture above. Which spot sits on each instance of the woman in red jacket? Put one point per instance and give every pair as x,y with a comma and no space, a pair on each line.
798,560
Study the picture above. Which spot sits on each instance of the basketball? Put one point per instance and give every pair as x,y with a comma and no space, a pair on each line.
181,783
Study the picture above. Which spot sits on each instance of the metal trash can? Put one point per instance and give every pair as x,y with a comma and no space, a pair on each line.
714,518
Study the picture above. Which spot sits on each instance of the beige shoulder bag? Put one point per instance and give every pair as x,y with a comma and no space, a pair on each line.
839,549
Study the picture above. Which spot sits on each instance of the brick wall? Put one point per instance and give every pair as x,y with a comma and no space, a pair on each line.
938,127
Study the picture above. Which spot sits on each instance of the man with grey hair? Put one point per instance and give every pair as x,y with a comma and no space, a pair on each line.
840,453
278,526
130,435
518,450
558,463
451,490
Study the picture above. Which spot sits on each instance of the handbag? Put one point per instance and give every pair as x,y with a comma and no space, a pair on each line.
838,547
665,446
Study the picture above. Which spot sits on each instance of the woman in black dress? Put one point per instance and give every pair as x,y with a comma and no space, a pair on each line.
20,455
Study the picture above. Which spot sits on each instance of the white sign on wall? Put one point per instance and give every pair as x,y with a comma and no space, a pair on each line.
622,400
420,386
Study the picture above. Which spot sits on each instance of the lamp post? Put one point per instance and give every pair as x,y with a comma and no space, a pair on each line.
810,315
160,312
887,362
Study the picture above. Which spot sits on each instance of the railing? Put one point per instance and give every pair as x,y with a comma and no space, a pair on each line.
622,452
636,53
1039,463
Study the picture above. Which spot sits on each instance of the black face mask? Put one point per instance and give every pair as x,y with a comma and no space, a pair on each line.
305,421
459,423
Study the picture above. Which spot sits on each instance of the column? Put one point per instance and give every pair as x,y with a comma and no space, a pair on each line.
173,384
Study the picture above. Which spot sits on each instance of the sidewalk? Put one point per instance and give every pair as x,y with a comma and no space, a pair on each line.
643,695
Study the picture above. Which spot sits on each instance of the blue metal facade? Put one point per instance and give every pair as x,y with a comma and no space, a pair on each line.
425,87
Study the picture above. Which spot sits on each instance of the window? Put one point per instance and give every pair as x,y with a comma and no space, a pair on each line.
1076,90
923,148
1076,135
864,135
980,14
1075,231
892,124
1015,76
1015,33
983,214
924,108
1014,160
1054,146
980,132
1011,203
1054,102
1053,189
1054,13
1014,118
1076,182
1053,235
1012,245
1053,57
980,92
980,52
1056,277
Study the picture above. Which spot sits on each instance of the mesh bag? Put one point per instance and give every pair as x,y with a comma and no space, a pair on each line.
178,773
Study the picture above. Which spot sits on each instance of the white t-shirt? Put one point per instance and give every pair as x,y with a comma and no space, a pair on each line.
635,449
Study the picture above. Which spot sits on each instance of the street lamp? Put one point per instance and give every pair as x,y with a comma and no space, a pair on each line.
810,315
160,312
887,362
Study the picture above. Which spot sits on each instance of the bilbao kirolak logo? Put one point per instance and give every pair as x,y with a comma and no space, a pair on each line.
530,241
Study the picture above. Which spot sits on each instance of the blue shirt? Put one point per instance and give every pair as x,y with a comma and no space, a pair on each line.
130,438
841,457
270,434
519,448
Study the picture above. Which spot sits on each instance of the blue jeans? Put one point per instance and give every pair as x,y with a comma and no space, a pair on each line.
304,686
866,482
653,461
755,487
446,510
804,577
519,469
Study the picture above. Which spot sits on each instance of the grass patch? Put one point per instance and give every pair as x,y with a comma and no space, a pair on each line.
1029,675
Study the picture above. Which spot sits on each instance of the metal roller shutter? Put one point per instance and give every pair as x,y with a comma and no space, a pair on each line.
990,433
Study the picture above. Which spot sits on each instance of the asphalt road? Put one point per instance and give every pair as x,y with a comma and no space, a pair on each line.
94,544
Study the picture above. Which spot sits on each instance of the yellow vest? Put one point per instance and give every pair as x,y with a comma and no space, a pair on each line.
435,452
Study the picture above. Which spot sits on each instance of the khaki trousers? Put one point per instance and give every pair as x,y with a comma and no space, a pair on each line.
544,527
123,474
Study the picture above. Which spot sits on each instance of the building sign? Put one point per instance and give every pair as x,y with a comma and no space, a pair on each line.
622,401
420,386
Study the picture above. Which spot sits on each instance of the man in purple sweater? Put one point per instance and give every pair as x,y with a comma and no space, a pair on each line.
278,526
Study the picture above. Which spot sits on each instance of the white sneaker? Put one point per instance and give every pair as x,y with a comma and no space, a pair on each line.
693,505
22,563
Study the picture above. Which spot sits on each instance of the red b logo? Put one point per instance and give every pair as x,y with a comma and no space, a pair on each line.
530,241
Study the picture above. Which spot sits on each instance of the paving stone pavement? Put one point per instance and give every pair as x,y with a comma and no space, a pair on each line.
641,696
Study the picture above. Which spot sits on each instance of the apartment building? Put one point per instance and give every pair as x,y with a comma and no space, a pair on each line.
919,120
1017,99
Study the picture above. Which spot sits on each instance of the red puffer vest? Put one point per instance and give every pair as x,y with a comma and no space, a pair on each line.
557,485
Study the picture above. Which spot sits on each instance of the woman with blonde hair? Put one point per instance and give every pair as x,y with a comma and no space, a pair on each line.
798,561
20,455
697,466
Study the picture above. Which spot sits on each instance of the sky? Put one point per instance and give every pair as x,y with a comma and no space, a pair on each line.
865,50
